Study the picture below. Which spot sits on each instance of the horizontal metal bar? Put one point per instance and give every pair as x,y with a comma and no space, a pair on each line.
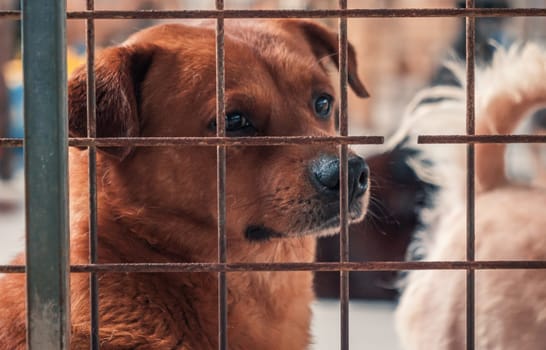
11,142
482,139
10,14
12,269
279,140
318,266
333,13
208,141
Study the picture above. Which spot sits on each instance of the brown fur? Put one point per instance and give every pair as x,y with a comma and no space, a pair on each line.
158,204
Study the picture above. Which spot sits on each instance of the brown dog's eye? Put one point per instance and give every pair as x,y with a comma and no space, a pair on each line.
236,122
323,106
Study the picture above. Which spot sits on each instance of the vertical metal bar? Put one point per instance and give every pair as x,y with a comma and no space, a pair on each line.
470,178
92,132
221,179
343,193
46,158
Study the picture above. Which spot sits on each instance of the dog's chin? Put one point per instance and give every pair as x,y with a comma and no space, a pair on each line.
319,227
332,226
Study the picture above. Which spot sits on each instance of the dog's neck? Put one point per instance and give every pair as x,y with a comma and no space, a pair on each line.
291,315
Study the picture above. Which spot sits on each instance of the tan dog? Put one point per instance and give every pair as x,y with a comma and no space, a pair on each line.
158,204
510,309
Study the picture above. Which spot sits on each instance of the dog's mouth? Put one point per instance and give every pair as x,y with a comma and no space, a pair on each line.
329,222
321,221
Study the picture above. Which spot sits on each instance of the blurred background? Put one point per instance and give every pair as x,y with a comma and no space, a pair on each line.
396,56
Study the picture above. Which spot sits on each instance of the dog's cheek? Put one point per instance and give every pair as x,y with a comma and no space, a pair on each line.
243,188
175,179
196,172
291,191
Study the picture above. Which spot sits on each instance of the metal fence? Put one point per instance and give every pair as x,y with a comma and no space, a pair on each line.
46,144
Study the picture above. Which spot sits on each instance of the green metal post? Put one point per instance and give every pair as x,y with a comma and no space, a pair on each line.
46,158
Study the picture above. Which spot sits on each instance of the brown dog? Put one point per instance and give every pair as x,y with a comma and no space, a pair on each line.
158,204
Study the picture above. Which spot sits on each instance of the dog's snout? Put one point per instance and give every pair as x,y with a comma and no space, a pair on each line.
325,172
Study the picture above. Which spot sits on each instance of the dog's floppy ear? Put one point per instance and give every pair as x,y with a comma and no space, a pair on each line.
119,71
324,43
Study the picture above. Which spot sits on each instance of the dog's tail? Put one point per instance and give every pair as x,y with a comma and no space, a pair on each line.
513,86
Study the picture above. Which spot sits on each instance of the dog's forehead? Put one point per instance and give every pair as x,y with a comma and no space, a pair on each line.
265,70
271,43
275,56
246,42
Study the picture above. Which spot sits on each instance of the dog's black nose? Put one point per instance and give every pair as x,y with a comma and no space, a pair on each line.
325,173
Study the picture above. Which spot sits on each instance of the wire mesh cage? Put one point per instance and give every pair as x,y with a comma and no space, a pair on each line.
46,144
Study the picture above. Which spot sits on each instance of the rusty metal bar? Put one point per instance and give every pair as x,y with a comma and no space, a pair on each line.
92,168
10,14
325,13
221,178
343,181
470,177
279,141
208,141
11,142
316,266
446,139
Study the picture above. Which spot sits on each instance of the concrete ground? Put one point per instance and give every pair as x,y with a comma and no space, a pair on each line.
12,218
370,323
